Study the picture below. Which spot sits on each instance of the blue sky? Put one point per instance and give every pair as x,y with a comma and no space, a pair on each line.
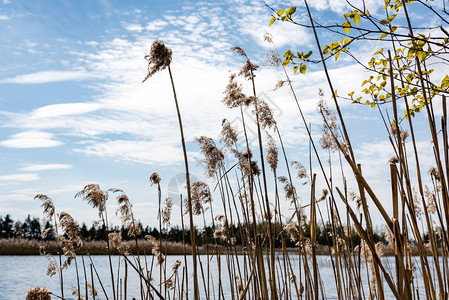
74,111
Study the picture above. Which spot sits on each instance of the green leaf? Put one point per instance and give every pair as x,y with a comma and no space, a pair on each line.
272,20
303,69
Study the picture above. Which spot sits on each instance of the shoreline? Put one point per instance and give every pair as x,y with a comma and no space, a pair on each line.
25,247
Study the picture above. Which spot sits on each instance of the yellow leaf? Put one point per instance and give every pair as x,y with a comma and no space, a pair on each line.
357,19
346,26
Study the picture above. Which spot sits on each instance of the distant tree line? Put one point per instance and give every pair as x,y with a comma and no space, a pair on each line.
33,228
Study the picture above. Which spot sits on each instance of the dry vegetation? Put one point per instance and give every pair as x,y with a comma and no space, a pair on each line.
265,273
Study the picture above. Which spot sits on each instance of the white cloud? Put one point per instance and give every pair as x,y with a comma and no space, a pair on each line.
31,139
156,25
48,76
20,177
92,43
56,110
4,18
44,167
135,151
133,27
145,113
342,6
285,34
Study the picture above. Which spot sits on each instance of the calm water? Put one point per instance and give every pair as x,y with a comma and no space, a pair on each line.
19,273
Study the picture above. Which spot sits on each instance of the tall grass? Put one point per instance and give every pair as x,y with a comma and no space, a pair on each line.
260,268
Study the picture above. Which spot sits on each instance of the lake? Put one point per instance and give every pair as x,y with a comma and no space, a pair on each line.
20,273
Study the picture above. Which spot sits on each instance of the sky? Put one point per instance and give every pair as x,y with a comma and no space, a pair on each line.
74,109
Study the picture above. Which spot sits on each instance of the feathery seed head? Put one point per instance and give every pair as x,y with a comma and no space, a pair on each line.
52,268
166,211
154,178
94,196
239,51
272,153
176,265
159,58
47,204
200,195
265,114
272,59
393,160
134,229
228,134
38,293
92,290
329,128
280,84
248,67
213,157
434,173
267,37
292,231
115,240
234,96
301,172
289,189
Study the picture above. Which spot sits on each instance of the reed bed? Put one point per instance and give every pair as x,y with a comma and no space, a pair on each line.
261,267
18,246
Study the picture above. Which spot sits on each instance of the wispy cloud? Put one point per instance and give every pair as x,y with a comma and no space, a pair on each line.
135,151
4,18
31,139
48,76
144,113
133,27
20,177
44,167
57,110
156,25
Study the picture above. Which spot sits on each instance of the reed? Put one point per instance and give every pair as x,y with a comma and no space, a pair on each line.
249,238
